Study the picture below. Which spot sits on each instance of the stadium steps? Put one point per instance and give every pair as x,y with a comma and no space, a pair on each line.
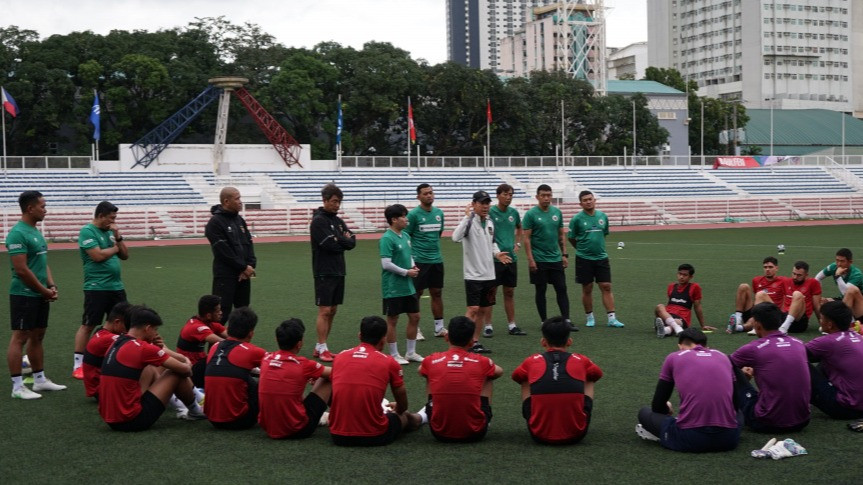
270,190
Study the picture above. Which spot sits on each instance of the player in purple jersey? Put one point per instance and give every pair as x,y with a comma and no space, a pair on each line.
837,384
778,363
705,382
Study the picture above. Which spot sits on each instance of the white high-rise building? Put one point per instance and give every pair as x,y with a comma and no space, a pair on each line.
475,27
788,54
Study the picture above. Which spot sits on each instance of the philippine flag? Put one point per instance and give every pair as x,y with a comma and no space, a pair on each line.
8,102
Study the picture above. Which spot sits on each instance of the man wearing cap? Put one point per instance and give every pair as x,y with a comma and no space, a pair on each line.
704,379
476,233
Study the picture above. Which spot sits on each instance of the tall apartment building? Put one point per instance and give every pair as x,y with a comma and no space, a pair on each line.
782,54
628,62
474,28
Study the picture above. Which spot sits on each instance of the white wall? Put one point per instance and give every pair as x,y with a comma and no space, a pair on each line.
199,158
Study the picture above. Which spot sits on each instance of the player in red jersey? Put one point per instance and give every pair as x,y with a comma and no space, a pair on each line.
683,297
459,387
204,328
770,284
99,344
139,376
284,376
232,392
557,400
360,378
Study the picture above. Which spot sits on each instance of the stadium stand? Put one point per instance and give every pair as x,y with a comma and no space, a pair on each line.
644,182
784,180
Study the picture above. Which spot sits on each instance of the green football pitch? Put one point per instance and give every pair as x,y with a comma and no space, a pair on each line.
61,438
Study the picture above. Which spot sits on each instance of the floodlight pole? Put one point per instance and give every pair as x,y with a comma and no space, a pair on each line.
772,102
634,133
702,132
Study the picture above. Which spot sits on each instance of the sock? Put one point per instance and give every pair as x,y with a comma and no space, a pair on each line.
786,324
394,348
423,415
676,326
318,347
18,382
511,325
438,324
39,377
79,360
611,316
739,317
411,346
589,315
199,394
194,408
670,321
667,330
739,328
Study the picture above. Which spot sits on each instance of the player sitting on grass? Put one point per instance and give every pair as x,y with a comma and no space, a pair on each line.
204,328
557,387
705,382
459,386
837,384
360,378
683,297
767,287
284,376
99,344
139,376
232,392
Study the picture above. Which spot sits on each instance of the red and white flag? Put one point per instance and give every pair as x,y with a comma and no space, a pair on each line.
411,127
488,110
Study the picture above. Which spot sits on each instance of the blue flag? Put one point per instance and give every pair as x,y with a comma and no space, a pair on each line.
94,117
339,126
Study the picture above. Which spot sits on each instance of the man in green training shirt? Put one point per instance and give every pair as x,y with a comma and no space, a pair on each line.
31,291
544,248
425,225
101,247
507,236
587,231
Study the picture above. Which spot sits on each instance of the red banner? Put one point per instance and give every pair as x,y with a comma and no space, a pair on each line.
736,162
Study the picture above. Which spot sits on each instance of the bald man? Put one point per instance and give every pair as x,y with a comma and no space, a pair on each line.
233,254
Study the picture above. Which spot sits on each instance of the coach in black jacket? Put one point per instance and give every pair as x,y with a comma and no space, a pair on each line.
233,254
330,239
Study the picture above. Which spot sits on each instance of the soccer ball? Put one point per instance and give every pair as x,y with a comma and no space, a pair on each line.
780,248
621,245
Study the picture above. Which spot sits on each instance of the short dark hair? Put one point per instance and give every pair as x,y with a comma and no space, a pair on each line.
241,322
420,188
687,267
504,188
768,315
119,312
208,303
460,330
394,211
140,316
28,198
331,190
556,331
844,252
693,335
543,188
289,333
838,313
372,329
801,265
770,259
583,194
104,208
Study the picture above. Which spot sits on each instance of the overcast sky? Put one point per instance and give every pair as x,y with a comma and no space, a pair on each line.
418,26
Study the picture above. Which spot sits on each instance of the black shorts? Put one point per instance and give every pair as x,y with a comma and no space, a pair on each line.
799,325
588,411
199,371
97,305
486,409
590,270
151,409
506,274
315,408
683,322
431,276
480,293
28,312
329,290
401,304
547,273
393,429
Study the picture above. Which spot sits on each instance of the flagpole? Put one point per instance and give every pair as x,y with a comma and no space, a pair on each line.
339,136
488,128
3,115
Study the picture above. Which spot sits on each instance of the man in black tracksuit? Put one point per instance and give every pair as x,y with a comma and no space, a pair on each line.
233,254
330,239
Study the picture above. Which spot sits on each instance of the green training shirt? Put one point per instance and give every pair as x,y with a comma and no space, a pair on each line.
26,239
424,229
853,277
398,249
589,234
104,276
505,224
544,239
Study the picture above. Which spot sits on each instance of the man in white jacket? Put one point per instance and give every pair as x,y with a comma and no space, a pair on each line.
476,233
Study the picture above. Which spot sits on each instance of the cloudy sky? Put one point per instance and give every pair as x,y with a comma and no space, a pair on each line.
418,26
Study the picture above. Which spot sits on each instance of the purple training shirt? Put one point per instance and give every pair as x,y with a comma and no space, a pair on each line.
841,357
705,382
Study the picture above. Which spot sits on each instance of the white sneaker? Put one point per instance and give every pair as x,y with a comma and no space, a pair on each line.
48,386
414,357
191,415
441,332
420,335
644,434
659,325
751,332
401,360
24,392
325,419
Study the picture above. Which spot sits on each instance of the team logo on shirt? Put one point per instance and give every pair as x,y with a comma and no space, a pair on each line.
511,219
601,222
437,218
